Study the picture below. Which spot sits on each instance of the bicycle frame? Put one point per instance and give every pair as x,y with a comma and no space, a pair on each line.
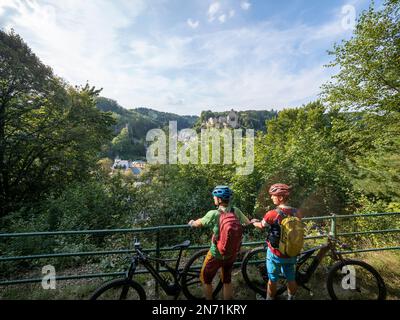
142,258
322,250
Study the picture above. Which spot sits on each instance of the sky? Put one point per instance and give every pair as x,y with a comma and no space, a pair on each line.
185,56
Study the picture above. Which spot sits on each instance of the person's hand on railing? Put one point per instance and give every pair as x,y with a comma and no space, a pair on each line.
257,223
195,223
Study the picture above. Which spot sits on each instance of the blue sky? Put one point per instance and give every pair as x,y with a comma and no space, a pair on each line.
185,56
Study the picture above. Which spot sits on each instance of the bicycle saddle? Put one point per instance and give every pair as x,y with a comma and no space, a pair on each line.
182,245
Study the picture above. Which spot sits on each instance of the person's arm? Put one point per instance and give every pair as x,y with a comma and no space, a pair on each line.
205,221
243,219
268,219
195,223
257,224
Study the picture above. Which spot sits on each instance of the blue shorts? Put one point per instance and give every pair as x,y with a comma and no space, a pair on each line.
280,267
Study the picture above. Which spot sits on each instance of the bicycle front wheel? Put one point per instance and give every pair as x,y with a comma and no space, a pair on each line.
355,280
192,287
121,289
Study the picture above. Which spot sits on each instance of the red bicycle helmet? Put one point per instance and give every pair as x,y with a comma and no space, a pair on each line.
280,189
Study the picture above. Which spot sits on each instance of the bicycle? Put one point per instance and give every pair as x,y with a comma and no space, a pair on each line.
185,279
347,278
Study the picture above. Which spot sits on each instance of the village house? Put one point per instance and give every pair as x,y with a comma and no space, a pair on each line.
230,121
135,166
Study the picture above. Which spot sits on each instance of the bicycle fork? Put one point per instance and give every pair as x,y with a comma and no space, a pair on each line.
129,276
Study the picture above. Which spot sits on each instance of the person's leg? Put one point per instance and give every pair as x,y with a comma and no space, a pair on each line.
289,270
273,269
228,291
292,287
226,277
271,290
208,291
207,274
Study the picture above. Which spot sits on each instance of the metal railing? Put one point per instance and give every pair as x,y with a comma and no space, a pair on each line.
159,249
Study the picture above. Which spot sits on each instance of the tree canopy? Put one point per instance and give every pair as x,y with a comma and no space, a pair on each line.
50,132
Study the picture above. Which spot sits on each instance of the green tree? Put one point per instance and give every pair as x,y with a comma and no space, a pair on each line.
298,150
50,132
365,93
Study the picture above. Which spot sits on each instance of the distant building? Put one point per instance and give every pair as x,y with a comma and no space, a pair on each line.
135,166
121,164
230,121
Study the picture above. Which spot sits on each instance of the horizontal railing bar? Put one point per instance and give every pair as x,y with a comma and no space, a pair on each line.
90,232
112,252
364,215
76,277
369,250
91,253
344,234
149,229
84,276
63,255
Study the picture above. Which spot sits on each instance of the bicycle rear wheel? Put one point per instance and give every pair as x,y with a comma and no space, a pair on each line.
355,280
192,287
120,289
254,270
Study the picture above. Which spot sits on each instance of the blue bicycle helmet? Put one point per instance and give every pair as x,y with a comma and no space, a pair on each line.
222,192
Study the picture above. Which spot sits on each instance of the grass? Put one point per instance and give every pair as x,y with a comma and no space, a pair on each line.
388,265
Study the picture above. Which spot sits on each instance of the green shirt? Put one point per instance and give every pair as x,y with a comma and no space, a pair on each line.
211,219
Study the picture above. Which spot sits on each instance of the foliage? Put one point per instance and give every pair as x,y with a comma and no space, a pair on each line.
50,133
366,95
132,126
298,149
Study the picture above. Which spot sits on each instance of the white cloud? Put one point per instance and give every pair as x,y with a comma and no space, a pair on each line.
245,5
213,10
249,67
231,13
222,18
193,24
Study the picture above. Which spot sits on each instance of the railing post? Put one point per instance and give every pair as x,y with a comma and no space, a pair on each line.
158,257
332,232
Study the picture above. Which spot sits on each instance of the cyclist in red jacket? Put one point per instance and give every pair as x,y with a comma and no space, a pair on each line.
276,261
